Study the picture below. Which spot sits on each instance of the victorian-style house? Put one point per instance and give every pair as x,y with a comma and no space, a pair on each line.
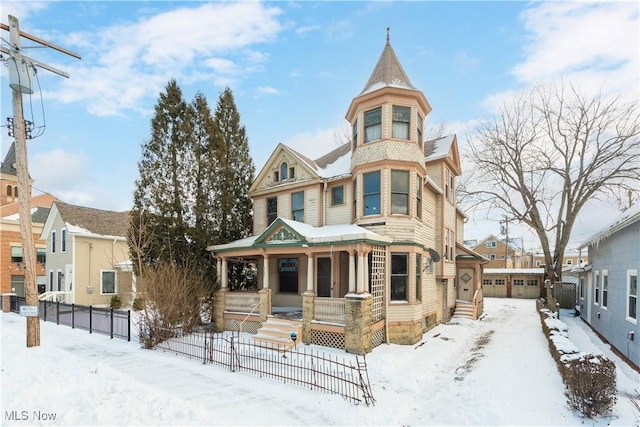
365,241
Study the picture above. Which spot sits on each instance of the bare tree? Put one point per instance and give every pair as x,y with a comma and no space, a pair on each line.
544,156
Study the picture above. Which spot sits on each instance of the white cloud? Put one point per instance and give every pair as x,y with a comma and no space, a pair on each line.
319,142
21,9
590,44
127,63
268,90
308,29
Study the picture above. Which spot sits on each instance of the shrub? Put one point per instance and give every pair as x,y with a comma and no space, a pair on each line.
115,302
137,304
591,384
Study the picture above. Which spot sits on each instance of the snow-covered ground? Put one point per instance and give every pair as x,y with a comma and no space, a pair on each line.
497,371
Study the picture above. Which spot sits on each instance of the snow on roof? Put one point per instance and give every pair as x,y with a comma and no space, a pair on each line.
340,167
514,270
332,233
626,218
438,148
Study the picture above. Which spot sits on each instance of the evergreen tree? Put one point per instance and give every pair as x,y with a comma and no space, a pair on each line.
161,189
204,170
235,172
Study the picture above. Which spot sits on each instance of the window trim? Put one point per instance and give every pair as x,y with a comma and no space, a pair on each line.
300,210
596,287
396,192
267,212
373,125
378,193
333,200
115,282
604,297
400,110
16,249
284,171
631,273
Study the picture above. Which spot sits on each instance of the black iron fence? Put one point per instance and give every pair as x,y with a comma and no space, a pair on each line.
105,321
300,366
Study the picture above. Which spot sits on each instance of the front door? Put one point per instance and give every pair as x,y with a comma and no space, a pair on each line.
466,284
323,277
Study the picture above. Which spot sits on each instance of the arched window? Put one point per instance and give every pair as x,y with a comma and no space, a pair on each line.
284,171
15,191
9,190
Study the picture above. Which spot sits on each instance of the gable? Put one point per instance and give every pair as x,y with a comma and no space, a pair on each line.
303,169
280,232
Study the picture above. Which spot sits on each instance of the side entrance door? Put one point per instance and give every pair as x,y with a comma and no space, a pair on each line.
323,277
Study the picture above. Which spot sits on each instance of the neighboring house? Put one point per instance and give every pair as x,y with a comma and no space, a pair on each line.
513,282
500,254
87,255
570,259
608,285
364,240
11,257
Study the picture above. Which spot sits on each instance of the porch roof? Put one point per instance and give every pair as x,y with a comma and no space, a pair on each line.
286,232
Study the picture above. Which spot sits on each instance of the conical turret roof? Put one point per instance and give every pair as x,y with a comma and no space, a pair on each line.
8,165
388,72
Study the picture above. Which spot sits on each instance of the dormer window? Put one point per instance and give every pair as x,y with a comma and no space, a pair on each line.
284,170
373,125
401,119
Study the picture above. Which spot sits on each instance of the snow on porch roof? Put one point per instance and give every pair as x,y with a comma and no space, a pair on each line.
309,234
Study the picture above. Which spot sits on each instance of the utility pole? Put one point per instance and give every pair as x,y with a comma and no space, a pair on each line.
24,196
506,240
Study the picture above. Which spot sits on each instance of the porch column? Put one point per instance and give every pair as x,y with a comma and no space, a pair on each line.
361,273
265,272
219,270
224,284
352,273
309,272
365,272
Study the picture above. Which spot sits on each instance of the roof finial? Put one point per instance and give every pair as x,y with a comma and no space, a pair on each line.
388,35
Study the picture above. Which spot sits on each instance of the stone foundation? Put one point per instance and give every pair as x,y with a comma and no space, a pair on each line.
217,317
405,333
357,338
308,313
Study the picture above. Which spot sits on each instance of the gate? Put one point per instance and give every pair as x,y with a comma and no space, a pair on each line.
566,294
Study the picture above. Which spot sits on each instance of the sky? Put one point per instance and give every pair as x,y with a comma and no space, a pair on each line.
493,372
294,68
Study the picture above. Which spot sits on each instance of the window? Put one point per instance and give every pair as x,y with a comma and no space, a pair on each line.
64,240
59,280
532,282
9,190
372,193
491,244
107,282
292,172
272,209
41,255
518,282
401,119
419,277
399,192
288,274
605,287
15,191
449,186
373,125
284,169
337,195
16,253
297,206
419,131
449,243
399,277
355,134
486,282
596,287
492,256
581,288
418,196
632,293
499,282
53,242
569,262
51,280
276,176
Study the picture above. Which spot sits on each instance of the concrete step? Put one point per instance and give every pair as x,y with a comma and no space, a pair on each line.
277,332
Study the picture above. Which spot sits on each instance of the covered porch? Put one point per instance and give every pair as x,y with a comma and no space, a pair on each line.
330,279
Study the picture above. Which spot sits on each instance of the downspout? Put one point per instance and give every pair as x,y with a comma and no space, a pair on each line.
324,203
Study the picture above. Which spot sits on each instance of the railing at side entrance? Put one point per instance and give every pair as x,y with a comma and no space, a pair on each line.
330,310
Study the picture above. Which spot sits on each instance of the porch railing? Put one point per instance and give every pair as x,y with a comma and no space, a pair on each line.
241,302
330,310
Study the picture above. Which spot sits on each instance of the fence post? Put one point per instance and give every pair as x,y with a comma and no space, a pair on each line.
73,316
231,358
128,325
90,319
45,310
57,312
111,323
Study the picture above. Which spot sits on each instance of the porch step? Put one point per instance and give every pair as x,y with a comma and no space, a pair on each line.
463,310
277,332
